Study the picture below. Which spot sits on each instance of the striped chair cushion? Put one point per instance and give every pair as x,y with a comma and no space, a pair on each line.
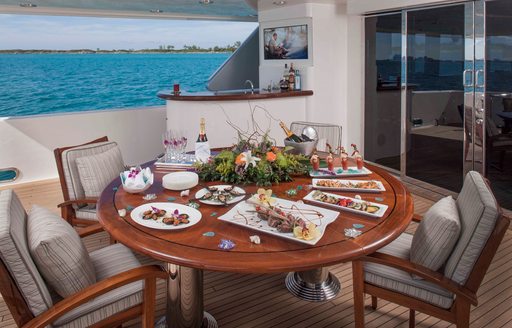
59,253
15,255
436,235
478,212
401,281
108,262
97,171
71,175
87,213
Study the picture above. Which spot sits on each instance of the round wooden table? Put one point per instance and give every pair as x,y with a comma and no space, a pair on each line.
188,252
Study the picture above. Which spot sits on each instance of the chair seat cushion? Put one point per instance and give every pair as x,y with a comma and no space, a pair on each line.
401,281
108,262
86,213
58,252
97,171
436,235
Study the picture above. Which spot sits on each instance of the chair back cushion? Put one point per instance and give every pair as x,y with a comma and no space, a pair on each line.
97,171
478,213
71,175
59,253
436,235
15,255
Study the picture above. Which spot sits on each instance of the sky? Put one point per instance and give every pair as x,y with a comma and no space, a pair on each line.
64,33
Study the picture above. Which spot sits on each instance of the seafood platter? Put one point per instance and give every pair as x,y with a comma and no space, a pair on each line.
165,216
348,185
347,203
220,195
282,218
339,172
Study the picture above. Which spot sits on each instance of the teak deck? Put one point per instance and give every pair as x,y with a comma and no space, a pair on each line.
241,300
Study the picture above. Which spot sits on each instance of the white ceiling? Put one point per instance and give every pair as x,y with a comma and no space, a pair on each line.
185,9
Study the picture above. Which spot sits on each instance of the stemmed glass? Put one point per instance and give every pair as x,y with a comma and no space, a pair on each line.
175,144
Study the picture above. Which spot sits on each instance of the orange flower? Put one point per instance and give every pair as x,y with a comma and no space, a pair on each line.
271,156
240,159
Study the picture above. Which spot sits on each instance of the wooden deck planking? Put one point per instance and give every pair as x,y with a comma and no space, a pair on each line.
238,300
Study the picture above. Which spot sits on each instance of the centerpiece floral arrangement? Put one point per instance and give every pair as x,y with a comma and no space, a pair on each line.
253,161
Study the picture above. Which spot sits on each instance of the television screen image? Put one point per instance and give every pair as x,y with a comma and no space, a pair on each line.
287,42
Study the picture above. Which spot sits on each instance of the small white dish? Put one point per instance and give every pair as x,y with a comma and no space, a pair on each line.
180,180
233,200
141,183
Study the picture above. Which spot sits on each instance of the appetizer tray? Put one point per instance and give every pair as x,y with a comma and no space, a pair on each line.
245,215
347,203
220,195
348,185
338,172
194,216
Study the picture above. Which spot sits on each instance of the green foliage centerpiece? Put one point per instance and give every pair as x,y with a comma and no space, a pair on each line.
253,161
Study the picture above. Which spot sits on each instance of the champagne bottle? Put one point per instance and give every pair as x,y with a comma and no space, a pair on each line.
202,131
289,134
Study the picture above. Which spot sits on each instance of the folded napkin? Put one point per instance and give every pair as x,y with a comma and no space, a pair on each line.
137,178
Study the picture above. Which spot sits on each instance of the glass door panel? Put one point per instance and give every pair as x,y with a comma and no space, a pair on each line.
498,99
382,134
435,111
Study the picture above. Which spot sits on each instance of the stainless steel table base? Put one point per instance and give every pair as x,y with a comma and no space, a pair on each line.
316,285
185,299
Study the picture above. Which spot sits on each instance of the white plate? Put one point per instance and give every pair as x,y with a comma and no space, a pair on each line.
194,215
380,186
243,215
233,200
338,172
382,208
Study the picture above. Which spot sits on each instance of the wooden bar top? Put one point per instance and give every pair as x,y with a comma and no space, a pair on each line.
231,95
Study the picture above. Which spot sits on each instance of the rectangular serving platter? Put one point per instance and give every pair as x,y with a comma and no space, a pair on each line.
338,172
380,213
380,186
243,214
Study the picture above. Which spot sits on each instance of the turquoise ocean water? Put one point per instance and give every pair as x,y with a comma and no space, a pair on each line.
54,83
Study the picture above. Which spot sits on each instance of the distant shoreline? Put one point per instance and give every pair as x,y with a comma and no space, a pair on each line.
82,52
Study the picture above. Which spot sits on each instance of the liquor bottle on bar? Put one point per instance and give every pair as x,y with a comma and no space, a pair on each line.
202,131
202,148
289,134
298,80
291,78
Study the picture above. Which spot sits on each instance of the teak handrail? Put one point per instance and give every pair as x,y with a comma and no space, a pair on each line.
149,273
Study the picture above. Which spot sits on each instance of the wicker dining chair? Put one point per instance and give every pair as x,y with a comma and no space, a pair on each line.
327,134
40,252
440,272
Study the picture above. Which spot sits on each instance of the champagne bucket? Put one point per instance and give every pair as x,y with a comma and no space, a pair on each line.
304,148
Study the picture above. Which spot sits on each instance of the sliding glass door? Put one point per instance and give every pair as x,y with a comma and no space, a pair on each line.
434,140
438,94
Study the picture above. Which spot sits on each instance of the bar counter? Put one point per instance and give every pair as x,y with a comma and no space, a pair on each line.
243,94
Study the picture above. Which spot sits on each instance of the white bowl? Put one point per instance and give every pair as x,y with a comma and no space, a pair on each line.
148,178
304,148
180,180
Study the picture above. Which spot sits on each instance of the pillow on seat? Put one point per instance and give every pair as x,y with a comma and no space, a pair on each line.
97,171
436,235
58,252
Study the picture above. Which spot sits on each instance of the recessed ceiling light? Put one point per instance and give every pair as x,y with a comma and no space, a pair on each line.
206,2
27,5
156,11
279,3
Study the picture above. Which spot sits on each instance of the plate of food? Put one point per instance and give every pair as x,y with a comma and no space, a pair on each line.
282,218
165,216
347,203
348,185
220,195
338,172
